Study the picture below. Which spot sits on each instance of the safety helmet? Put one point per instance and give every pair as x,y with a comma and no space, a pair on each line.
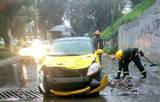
119,54
97,32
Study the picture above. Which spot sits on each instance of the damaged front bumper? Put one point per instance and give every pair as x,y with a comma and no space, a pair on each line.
87,90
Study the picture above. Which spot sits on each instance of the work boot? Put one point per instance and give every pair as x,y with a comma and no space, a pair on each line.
144,75
118,76
126,75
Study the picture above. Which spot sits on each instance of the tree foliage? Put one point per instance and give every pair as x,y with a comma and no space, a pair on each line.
14,14
137,11
19,21
50,14
89,15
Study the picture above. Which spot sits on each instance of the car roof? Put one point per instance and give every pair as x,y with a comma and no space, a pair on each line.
73,38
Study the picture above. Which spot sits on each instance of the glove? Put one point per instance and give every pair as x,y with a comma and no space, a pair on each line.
141,53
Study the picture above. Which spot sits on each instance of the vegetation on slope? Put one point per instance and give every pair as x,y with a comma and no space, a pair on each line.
137,11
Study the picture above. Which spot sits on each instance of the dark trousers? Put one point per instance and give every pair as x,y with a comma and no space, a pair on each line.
138,63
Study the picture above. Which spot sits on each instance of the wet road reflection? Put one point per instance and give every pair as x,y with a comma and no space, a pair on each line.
25,76
75,99
29,75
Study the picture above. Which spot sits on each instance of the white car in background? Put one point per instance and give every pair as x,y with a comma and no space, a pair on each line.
32,52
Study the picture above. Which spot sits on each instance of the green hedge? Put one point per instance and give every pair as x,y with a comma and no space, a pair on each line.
2,46
6,54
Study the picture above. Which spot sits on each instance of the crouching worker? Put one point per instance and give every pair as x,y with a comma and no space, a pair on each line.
125,57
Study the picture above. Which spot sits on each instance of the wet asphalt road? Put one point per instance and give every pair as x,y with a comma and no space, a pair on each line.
17,76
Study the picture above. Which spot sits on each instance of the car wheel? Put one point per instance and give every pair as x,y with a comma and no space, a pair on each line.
98,76
43,87
95,94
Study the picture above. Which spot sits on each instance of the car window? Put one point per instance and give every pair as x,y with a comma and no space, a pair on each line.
72,47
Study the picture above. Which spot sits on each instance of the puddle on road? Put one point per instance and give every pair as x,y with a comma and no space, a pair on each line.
137,87
29,75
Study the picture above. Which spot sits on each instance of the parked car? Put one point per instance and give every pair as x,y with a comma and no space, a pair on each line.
71,67
25,52
31,52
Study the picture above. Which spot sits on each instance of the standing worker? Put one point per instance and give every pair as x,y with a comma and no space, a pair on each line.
125,57
98,42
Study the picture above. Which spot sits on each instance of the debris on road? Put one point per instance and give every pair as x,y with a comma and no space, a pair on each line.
124,84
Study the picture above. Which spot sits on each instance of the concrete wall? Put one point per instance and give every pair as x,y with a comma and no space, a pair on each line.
144,33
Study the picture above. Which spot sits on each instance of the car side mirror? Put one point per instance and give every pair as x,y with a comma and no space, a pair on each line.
99,51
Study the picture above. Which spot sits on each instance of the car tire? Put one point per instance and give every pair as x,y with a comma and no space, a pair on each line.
98,76
43,86
40,90
95,94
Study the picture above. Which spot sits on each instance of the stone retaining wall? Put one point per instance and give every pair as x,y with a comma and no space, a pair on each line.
144,33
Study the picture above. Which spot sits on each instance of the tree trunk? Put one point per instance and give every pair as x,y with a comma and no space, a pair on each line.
7,42
45,34
5,32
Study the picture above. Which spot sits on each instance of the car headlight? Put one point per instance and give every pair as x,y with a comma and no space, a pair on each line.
38,53
93,68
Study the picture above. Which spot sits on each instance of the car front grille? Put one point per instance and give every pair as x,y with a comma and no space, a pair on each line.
58,72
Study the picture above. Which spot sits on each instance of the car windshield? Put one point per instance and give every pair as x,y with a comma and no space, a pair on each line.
71,47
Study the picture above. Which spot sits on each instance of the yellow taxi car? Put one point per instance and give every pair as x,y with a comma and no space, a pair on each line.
72,67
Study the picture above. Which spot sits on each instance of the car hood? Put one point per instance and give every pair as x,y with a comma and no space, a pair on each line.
71,62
